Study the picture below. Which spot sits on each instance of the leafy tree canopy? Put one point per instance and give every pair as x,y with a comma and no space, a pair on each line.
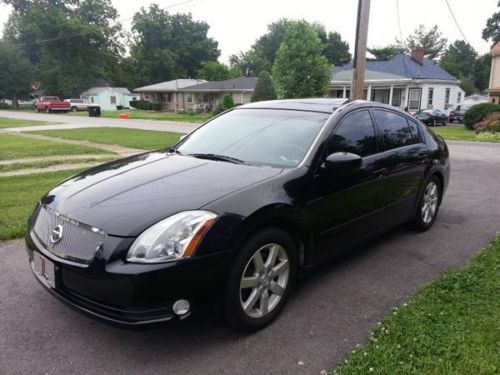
492,28
216,71
300,69
459,59
15,72
431,40
168,46
387,52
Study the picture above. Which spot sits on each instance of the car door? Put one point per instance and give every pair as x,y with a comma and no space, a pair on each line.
403,161
344,204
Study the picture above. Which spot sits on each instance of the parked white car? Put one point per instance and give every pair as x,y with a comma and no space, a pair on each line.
78,104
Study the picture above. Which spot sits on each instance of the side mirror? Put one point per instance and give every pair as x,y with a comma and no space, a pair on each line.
342,162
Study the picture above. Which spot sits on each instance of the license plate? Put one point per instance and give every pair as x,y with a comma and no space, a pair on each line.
44,269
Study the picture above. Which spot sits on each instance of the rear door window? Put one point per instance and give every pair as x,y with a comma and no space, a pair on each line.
394,129
355,134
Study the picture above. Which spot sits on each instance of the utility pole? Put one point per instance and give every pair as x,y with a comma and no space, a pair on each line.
358,72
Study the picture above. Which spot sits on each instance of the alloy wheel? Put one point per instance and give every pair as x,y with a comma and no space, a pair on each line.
430,204
264,280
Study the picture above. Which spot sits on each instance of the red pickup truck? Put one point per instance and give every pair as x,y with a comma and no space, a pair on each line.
52,103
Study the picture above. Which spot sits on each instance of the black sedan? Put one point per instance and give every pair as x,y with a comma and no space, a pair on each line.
432,117
235,211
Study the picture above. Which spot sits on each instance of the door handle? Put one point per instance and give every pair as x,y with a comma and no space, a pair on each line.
380,171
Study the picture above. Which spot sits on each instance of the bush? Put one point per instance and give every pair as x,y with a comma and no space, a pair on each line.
495,126
490,123
264,88
478,112
5,106
145,105
226,103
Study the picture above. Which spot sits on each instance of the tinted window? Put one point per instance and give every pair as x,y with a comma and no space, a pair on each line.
355,134
414,130
394,128
258,136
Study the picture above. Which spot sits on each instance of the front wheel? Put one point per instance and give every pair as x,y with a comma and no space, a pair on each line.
260,280
428,205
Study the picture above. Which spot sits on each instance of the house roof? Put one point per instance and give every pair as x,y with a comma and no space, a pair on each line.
404,66
98,90
235,84
173,85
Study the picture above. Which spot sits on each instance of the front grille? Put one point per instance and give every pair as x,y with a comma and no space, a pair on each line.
78,243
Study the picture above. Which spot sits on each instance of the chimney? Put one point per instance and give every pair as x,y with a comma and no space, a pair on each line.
417,54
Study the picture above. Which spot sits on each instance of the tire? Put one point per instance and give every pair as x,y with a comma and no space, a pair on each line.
444,122
420,221
434,122
47,110
74,109
262,283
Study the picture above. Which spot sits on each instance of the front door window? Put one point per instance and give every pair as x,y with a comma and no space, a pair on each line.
414,97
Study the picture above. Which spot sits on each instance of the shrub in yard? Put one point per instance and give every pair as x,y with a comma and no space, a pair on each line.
489,123
145,105
5,106
227,101
264,88
478,112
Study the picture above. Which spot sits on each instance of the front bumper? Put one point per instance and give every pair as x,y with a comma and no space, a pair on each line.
115,291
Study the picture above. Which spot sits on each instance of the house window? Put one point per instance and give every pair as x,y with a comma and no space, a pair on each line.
430,97
414,97
459,97
396,97
205,98
92,99
112,99
189,99
447,98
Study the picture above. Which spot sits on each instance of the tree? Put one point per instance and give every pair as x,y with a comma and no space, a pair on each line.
387,52
300,69
492,29
482,69
216,71
431,40
169,46
15,72
336,50
69,43
248,64
264,88
459,59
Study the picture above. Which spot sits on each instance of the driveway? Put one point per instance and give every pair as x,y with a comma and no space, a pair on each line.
74,122
335,307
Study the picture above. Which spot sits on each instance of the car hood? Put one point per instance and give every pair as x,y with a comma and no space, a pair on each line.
126,196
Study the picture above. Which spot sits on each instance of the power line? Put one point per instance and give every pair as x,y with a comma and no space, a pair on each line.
48,40
456,22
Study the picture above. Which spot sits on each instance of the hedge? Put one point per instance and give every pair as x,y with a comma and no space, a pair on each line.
478,112
145,105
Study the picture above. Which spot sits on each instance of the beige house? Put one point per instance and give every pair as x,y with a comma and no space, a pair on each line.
182,94
494,88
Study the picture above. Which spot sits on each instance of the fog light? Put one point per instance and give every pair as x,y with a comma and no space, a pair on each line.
181,307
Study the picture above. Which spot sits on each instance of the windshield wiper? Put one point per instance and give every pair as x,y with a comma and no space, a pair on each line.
218,158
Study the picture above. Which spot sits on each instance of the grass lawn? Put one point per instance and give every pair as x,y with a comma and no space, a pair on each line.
50,163
14,123
18,147
452,326
18,197
463,134
143,139
150,115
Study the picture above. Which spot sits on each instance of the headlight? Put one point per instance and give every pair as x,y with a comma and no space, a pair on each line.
174,238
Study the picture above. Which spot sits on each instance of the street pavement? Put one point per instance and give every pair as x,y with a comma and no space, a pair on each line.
59,121
334,308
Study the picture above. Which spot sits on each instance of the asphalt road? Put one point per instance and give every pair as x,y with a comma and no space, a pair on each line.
334,308
61,121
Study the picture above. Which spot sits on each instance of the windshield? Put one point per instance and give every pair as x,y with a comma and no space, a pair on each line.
256,136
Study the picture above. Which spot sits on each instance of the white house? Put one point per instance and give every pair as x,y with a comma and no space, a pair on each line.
409,82
109,98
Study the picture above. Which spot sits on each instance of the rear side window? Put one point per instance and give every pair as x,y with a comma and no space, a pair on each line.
394,129
355,134
414,129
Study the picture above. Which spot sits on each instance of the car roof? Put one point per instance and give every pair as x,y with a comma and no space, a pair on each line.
326,105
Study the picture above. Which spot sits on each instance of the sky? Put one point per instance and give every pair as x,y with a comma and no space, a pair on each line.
236,24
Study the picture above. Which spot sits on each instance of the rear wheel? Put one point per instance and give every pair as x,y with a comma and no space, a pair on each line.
434,122
428,206
73,109
260,280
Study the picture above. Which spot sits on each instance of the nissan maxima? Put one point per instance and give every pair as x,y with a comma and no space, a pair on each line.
235,211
